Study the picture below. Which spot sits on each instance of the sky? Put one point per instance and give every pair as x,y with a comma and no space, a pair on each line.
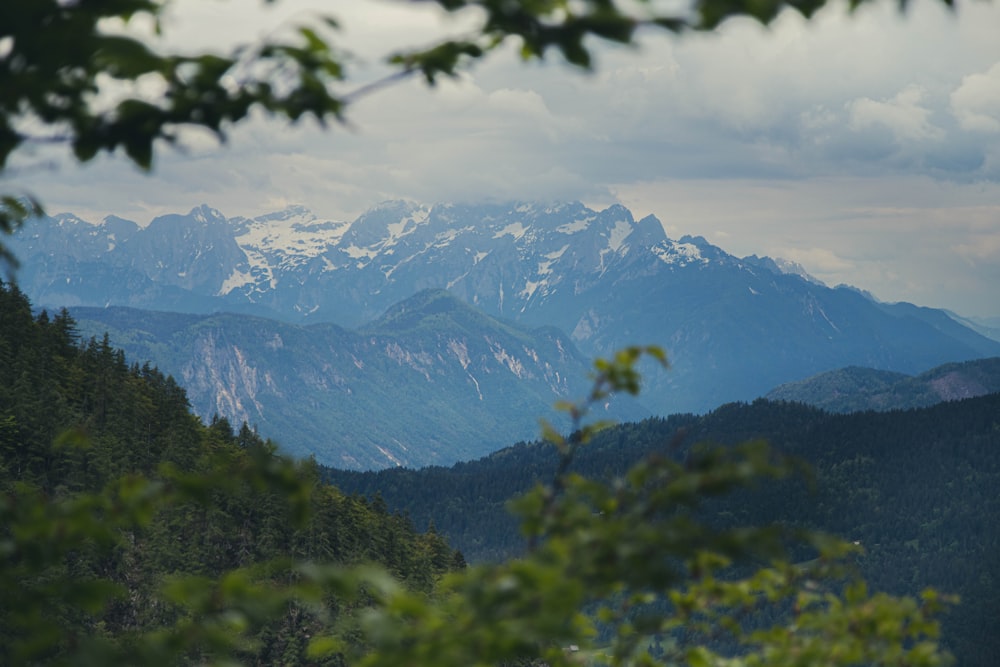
865,147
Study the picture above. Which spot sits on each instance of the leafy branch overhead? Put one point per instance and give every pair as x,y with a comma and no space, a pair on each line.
61,66
69,73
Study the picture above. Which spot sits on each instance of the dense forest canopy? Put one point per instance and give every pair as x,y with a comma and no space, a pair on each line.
132,533
916,488
117,504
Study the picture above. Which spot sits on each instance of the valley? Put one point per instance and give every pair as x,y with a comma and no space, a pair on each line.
674,339
429,393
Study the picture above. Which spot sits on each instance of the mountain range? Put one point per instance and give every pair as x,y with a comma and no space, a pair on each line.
432,381
733,327
854,389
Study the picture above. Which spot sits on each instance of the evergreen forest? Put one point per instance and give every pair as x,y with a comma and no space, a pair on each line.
917,489
116,504
133,533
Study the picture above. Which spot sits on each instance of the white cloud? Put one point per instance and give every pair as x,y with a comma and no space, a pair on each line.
863,136
904,115
821,260
976,103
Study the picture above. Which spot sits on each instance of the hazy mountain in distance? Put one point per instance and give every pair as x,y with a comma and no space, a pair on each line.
854,389
985,326
733,327
432,381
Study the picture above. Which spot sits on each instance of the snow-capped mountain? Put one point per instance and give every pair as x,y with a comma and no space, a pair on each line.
733,327
508,260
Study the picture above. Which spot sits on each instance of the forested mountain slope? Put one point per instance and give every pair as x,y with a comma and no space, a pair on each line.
916,488
432,380
854,389
78,419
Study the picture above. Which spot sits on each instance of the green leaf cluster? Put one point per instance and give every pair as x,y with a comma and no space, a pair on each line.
915,489
633,573
67,72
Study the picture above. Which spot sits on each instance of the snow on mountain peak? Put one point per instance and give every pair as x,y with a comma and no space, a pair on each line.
405,226
68,219
782,266
577,225
235,280
525,253
794,268
515,229
384,225
206,213
293,233
678,253
618,234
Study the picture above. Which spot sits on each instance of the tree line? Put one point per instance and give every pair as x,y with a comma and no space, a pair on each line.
112,494
915,488
131,533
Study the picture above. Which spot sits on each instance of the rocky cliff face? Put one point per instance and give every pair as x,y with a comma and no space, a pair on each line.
431,382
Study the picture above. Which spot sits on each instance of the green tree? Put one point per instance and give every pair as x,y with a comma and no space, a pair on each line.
626,573
629,572
633,572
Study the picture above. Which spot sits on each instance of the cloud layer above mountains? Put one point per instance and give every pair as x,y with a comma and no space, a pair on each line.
865,147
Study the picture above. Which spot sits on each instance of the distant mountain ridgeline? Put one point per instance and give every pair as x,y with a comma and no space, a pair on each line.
854,389
433,381
916,488
428,375
733,328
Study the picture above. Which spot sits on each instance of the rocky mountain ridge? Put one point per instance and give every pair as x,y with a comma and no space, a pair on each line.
271,260
733,328
433,381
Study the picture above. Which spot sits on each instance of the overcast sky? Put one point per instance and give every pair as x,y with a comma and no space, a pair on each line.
865,147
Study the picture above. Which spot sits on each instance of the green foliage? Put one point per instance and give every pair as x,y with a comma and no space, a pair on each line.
55,73
14,212
217,551
132,534
631,573
916,489
139,544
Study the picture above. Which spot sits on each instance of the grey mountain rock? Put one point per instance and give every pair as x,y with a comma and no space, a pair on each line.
986,326
733,328
432,381
781,266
